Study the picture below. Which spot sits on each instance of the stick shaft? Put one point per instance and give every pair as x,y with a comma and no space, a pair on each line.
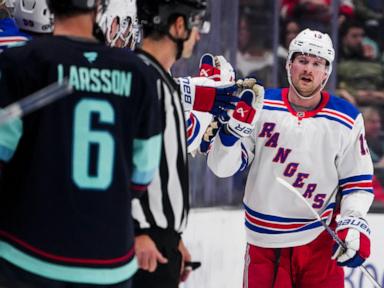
334,236
35,101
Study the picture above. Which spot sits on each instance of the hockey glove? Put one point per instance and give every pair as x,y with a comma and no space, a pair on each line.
354,232
243,118
216,68
219,69
213,90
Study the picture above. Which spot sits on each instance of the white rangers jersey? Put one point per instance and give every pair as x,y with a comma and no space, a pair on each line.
319,152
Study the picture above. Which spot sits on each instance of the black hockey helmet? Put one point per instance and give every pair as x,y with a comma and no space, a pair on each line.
68,7
155,14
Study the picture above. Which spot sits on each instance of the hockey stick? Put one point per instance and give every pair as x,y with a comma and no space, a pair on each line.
35,101
362,268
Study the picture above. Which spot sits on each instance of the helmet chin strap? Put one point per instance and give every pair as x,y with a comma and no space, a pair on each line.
179,43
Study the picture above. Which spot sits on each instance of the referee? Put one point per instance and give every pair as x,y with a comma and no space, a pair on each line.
170,32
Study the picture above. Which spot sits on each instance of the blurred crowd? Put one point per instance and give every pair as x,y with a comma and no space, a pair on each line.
360,58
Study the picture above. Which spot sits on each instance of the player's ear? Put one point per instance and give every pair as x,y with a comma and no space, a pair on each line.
288,65
180,27
325,76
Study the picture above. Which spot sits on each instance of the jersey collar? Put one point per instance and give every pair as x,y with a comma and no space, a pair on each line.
305,114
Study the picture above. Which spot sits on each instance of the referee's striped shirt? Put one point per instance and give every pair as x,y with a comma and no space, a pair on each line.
166,204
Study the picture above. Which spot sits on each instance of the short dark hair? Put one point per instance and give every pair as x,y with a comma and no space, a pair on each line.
67,8
349,24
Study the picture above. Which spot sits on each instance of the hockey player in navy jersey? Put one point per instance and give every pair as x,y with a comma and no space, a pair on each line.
316,142
70,168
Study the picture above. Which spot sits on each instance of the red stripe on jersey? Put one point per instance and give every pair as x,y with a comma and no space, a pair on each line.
71,260
357,185
281,225
13,39
339,115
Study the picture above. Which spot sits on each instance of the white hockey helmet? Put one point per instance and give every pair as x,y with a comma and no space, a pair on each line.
33,16
119,22
315,43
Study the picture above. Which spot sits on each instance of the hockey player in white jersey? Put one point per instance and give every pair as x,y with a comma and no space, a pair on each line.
316,142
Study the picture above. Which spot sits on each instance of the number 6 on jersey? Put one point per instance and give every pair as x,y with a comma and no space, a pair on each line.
84,137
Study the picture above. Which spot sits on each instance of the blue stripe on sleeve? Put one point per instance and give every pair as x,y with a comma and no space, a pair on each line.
355,179
146,159
10,134
5,153
142,178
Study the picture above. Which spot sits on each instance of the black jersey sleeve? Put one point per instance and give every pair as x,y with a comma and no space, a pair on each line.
10,90
147,142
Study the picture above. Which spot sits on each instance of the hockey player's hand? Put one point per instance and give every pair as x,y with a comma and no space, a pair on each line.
213,91
355,233
147,253
243,118
207,95
216,68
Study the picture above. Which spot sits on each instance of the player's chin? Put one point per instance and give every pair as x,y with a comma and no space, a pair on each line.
308,91
305,91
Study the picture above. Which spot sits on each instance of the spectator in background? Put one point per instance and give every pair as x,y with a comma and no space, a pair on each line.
375,142
315,14
254,57
370,13
369,10
360,76
374,134
289,30
10,34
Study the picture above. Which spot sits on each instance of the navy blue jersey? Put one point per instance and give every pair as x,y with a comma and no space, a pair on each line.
65,190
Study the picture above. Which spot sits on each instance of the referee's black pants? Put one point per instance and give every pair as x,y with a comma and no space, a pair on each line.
166,275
